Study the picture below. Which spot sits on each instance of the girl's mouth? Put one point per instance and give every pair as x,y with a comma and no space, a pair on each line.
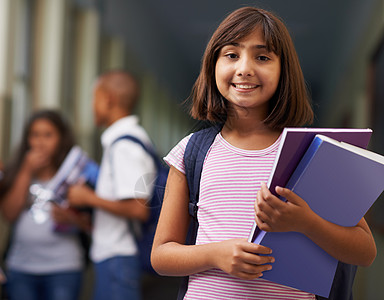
244,86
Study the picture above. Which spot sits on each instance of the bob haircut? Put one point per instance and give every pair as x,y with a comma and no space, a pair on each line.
65,144
290,105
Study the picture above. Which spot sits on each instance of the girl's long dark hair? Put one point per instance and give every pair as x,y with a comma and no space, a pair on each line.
66,142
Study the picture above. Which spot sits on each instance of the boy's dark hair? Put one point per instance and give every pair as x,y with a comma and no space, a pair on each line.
65,144
290,104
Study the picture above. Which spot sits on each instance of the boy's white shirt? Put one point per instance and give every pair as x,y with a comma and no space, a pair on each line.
122,168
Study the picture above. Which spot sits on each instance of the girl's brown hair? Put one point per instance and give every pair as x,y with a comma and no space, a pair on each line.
66,142
290,106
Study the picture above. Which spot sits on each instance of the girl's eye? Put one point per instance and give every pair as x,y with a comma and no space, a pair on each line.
263,58
231,55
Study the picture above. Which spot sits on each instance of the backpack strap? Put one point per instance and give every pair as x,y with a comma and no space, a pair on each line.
158,165
194,157
147,148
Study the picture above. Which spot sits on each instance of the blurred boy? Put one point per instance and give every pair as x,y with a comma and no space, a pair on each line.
124,165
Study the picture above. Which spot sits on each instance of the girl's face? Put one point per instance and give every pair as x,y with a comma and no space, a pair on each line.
247,75
44,138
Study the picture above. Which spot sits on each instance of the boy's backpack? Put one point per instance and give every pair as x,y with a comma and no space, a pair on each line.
194,156
144,236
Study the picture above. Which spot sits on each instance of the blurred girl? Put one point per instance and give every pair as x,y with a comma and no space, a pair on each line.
41,263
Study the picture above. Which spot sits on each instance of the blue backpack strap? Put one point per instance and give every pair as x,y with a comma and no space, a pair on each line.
194,156
144,240
147,148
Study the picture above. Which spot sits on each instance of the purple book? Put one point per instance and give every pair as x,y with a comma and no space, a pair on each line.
294,143
340,182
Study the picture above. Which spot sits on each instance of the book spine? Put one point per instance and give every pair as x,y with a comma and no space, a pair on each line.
301,167
283,137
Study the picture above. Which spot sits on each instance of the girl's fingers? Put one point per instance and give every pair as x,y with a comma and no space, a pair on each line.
273,201
252,272
258,260
264,212
256,249
255,265
263,225
286,193
291,197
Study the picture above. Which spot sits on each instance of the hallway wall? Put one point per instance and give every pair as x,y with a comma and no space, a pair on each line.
54,49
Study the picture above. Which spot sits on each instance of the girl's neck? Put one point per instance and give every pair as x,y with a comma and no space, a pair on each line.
248,133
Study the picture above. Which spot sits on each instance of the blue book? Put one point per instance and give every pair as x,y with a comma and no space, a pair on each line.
294,143
340,182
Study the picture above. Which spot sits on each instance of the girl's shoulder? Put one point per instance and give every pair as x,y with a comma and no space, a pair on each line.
175,157
182,144
195,143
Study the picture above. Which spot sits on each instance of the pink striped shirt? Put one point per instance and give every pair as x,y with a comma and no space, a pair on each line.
229,183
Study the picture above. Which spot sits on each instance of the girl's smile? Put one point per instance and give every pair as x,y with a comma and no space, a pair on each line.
245,87
247,74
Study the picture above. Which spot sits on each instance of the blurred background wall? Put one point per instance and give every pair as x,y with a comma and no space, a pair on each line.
52,50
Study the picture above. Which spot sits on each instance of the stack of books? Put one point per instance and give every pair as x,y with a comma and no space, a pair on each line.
339,179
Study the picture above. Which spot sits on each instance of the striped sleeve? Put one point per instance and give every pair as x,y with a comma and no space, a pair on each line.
175,157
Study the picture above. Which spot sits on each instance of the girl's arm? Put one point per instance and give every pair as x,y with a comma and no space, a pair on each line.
353,245
14,199
170,255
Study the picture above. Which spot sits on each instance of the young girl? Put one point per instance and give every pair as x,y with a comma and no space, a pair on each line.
41,262
252,82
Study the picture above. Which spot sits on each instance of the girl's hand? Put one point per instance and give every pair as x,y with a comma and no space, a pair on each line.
63,215
70,216
273,214
35,160
240,258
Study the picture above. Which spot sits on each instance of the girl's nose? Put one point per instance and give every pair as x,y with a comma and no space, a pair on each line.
245,67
